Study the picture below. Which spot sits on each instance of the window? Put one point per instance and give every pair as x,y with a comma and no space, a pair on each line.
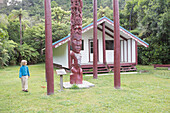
82,47
91,46
109,44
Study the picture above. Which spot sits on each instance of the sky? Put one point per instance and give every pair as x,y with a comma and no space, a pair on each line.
11,0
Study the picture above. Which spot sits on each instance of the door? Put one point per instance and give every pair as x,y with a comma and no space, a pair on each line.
91,51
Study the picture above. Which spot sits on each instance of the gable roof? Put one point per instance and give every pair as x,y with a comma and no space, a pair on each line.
99,21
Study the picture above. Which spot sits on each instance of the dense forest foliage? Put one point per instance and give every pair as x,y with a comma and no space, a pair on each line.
22,29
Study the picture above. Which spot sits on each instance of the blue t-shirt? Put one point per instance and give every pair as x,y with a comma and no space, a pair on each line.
24,71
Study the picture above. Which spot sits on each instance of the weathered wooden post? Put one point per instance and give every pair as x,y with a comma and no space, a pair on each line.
104,46
116,45
95,59
136,51
61,72
61,82
48,49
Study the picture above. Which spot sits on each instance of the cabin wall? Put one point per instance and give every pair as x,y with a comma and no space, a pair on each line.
85,53
128,55
127,48
121,51
60,55
125,56
133,51
127,52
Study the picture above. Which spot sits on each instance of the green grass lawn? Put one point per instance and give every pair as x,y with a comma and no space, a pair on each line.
145,92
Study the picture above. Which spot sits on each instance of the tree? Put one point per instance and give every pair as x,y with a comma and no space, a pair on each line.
14,30
154,19
3,21
6,47
54,4
35,37
149,20
34,7
105,12
20,14
87,21
60,15
10,5
28,53
59,30
128,16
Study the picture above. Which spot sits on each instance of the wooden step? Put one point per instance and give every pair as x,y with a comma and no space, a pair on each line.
91,66
86,69
88,72
97,69
103,71
101,68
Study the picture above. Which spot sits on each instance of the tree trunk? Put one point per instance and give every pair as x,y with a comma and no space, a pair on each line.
130,18
20,30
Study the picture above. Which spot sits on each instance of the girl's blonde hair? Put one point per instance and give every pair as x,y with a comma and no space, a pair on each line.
23,62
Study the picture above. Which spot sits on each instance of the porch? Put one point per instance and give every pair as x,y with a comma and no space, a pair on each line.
105,68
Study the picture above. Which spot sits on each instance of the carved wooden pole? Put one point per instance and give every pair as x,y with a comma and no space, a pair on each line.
116,45
48,49
95,59
76,76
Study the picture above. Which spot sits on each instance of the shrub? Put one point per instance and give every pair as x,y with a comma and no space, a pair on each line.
28,53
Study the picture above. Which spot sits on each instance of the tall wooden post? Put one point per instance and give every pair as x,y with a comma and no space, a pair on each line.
48,49
136,44
104,47
116,45
95,39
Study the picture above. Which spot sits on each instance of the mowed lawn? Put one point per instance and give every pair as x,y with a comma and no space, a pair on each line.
145,92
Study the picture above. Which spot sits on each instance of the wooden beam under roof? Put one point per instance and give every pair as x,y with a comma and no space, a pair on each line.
111,30
105,32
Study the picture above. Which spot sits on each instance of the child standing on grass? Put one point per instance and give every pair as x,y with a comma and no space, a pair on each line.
24,75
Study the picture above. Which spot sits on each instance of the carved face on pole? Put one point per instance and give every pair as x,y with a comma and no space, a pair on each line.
76,43
74,3
78,30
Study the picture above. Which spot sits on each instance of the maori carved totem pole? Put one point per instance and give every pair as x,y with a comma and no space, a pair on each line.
76,76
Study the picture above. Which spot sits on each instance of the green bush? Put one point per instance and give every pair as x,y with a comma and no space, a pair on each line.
28,53
156,53
6,48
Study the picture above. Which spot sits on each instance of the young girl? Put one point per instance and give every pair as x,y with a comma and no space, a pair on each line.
24,75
